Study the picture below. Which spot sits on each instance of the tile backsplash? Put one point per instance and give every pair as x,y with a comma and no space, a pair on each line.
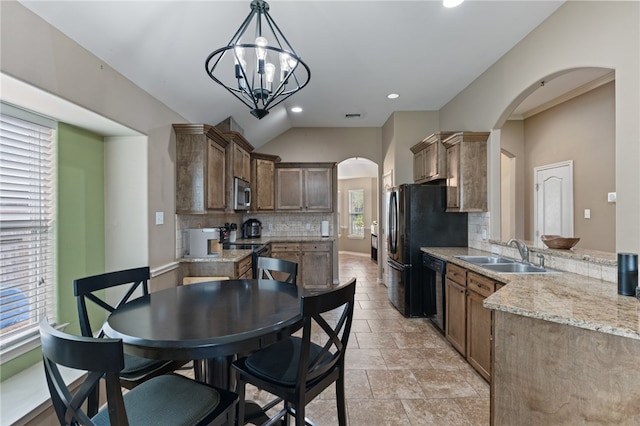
273,224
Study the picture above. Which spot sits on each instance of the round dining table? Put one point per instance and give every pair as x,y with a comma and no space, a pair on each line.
210,321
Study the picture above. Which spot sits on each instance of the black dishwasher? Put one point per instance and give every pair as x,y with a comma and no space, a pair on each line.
433,274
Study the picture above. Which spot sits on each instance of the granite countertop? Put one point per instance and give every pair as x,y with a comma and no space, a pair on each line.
233,255
563,298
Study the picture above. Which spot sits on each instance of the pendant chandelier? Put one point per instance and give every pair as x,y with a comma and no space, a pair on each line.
245,67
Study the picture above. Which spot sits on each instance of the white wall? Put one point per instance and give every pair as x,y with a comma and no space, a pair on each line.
126,203
580,34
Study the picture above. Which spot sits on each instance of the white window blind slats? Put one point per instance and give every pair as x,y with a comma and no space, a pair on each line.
27,240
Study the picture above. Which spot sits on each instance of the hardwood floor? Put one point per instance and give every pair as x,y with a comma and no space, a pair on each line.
399,371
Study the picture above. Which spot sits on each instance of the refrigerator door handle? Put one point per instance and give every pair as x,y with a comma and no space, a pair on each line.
395,265
393,223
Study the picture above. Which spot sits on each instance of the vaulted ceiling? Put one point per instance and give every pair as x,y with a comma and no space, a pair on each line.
358,52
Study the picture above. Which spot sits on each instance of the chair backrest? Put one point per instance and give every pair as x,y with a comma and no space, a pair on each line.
277,269
99,357
83,289
334,339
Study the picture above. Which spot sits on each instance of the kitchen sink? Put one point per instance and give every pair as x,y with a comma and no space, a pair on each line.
516,268
481,260
504,265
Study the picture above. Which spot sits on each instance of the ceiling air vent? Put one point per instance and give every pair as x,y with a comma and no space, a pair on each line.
352,116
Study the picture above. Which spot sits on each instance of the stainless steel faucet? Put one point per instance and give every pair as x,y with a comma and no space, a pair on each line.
522,248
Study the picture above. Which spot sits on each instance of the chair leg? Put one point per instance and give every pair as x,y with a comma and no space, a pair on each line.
340,401
300,420
240,390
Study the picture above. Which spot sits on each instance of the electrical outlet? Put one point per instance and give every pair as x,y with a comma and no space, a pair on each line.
308,226
484,233
270,227
587,213
159,218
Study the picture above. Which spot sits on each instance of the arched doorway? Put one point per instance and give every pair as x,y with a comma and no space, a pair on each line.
358,201
569,115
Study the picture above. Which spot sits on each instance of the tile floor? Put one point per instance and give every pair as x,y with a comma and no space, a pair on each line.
399,371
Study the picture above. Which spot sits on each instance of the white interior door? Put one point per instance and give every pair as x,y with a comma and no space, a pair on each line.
553,200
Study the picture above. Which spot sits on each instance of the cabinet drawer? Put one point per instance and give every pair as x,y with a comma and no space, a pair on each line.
457,274
285,247
481,285
316,247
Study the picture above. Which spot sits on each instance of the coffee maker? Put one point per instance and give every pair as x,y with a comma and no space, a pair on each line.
252,228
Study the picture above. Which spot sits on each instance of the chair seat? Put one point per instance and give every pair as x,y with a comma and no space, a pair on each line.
279,362
135,366
166,400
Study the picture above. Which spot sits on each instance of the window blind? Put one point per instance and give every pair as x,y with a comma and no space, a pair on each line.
27,238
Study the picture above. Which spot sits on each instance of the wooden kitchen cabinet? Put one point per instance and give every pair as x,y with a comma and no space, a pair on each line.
317,270
479,323
200,169
456,325
466,159
306,187
429,158
263,181
239,156
315,266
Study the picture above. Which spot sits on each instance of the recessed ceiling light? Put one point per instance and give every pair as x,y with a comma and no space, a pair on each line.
393,96
451,3
296,109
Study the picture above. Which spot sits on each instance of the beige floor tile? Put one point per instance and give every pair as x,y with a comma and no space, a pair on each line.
356,386
385,326
364,359
376,412
436,412
360,326
406,359
394,384
375,340
445,384
475,409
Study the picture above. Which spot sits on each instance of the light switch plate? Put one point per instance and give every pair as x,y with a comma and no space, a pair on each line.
159,218
587,213
611,197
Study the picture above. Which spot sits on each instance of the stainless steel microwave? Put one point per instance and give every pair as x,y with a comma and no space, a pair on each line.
241,194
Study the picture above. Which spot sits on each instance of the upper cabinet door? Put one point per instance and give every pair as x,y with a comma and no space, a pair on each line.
263,181
216,189
467,171
289,189
317,189
200,168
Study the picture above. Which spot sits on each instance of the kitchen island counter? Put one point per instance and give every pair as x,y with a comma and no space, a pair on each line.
563,297
565,348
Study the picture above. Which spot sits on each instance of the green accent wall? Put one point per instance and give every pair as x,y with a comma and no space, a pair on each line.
80,227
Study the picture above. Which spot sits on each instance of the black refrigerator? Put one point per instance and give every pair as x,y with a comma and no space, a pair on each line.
417,218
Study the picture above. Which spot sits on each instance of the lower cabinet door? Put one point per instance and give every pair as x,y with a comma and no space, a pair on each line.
456,319
478,335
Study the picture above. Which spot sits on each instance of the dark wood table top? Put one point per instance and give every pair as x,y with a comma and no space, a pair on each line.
207,320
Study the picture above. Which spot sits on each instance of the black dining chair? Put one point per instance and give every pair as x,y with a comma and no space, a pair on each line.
170,399
136,369
298,369
277,269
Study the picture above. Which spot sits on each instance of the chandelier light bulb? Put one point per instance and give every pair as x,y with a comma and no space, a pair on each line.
269,72
261,52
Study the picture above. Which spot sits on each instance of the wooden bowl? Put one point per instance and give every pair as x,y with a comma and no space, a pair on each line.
558,242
